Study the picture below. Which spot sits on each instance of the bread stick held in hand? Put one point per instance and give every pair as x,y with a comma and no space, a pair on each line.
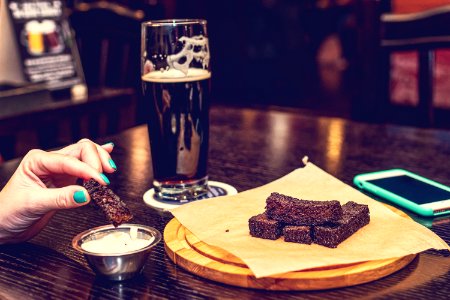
112,206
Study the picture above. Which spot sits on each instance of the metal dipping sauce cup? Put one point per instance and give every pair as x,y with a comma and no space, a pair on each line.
117,266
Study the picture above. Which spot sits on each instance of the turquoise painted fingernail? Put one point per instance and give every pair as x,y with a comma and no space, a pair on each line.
109,143
105,179
79,197
112,164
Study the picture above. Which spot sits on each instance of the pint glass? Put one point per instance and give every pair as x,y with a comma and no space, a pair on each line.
176,76
35,38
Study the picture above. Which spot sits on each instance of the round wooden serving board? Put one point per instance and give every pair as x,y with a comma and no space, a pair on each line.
216,264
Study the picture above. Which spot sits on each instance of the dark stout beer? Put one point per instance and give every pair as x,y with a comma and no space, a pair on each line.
178,127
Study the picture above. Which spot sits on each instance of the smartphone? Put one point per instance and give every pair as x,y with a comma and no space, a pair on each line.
421,195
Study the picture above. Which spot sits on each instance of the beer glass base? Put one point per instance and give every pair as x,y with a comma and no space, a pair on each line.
181,191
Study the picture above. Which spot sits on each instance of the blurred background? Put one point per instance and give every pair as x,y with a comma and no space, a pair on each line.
280,52
292,53
305,55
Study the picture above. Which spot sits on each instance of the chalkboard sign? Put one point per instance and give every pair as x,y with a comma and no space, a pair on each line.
47,49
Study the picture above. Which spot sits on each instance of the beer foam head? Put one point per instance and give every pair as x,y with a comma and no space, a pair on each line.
48,26
174,75
195,47
33,26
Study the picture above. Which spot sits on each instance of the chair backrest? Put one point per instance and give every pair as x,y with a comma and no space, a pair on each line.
108,38
382,33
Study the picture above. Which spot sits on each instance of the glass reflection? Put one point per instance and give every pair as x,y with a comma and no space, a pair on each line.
278,137
334,131
138,154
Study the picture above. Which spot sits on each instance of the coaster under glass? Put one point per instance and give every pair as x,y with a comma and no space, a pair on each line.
185,191
215,189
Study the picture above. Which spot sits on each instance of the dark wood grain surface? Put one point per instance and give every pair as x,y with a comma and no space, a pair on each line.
248,148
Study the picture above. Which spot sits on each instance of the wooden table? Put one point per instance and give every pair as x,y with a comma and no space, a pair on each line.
248,148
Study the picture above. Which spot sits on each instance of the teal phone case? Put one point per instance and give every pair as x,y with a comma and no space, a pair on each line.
403,202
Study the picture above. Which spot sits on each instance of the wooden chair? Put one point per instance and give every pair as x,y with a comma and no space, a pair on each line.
382,33
108,39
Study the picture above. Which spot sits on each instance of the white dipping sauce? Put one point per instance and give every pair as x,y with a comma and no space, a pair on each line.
117,242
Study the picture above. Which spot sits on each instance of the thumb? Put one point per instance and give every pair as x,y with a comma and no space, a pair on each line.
63,198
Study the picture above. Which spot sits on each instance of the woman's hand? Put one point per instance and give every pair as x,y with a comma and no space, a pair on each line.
44,182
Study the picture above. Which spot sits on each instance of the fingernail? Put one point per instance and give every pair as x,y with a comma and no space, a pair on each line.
109,143
105,179
79,197
112,164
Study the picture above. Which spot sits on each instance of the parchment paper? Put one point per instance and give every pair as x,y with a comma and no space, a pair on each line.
223,222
